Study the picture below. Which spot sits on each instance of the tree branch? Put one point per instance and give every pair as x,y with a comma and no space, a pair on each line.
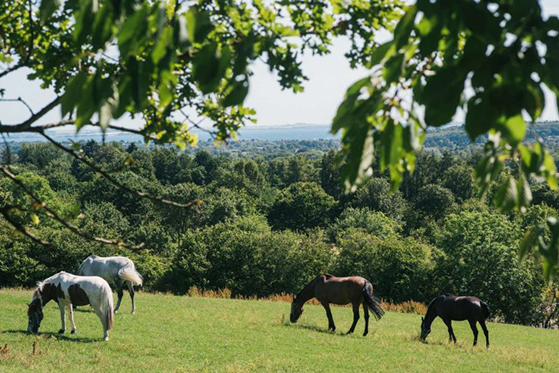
11,69
55,216
5,211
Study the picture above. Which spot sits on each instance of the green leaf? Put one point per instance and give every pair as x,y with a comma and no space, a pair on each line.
507,195
404,27
346,110
84,21
73,93
198,25
236,93
529,240
524,193
356,162
35,219
393,68
442,94
480,118
382,53
47,9
132,29
209,65
162,44
513,129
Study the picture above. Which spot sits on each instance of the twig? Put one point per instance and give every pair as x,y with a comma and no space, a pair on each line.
11,69
62,221
5,212
19,99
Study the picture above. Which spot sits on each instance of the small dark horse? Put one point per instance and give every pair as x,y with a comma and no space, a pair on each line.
449,307
339,290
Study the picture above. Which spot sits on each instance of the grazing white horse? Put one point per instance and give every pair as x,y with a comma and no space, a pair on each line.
117,269
67,289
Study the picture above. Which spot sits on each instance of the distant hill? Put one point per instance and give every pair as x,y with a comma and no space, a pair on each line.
448,137
455,137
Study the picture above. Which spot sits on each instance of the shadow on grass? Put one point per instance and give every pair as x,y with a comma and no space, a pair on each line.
315,328
83,309
51,335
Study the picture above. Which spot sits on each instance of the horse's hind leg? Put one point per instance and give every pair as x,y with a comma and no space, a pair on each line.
331,325
120,294
131,290
474,330
355,317
366,314
485,331
71,316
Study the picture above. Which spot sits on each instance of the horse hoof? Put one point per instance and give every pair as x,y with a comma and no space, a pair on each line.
73,332
61,331
365,334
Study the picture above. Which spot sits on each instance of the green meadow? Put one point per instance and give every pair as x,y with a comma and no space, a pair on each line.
173,333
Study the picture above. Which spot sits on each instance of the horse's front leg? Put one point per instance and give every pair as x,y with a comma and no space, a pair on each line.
355,317
71,316
451,336
62,317
331,325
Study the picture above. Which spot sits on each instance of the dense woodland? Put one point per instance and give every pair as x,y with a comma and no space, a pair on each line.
269,216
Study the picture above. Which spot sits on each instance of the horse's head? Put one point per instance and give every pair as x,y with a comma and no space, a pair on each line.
35,313
424,331
296,312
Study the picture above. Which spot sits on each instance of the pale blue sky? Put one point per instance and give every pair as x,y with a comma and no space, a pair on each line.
329,77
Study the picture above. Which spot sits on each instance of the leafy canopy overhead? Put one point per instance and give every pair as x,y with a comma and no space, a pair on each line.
490,58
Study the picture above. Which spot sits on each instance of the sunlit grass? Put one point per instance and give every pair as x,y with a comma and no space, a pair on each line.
171,333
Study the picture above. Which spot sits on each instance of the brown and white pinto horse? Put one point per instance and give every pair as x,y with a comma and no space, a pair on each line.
339,290
67,289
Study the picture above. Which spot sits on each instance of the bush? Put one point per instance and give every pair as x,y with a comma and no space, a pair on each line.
480,259
254,262
399,269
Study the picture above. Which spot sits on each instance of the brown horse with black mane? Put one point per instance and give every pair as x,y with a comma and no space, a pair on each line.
339,290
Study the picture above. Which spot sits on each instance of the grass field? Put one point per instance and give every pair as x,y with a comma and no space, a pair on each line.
170,333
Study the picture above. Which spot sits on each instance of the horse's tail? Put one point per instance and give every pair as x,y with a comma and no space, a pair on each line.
372,301
129,273
109,317
484,310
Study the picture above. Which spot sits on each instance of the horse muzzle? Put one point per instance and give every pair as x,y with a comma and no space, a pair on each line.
32,329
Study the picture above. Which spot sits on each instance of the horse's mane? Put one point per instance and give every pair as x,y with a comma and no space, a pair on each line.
311,283
438,297
41,284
